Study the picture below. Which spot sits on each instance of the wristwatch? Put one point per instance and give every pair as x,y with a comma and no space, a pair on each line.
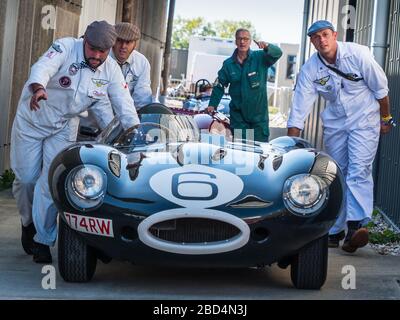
388,120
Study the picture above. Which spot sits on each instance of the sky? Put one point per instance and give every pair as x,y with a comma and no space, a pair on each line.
277,21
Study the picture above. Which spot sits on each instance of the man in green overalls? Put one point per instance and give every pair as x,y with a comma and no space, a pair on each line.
246,72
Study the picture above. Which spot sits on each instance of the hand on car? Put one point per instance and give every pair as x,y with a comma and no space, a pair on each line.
210,110
293,132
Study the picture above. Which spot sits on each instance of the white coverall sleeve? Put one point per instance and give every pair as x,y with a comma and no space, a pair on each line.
121,100
49,64
304,97
373,74
143,94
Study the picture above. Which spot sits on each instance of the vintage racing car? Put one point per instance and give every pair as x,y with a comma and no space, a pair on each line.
166,194
199,100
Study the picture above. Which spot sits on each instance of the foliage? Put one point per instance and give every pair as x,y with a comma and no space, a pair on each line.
273,110
377,236
386,236
6,179
186,28
227,28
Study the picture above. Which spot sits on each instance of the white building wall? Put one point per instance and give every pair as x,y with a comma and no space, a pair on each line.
282,65
93,10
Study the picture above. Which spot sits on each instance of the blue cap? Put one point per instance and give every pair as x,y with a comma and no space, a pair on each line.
320,25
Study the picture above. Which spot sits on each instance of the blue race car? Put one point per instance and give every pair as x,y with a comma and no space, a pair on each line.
166,194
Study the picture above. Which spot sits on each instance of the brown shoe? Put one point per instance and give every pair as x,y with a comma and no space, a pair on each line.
355,239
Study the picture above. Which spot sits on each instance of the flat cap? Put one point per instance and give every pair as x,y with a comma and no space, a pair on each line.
101,34
127,31
320,25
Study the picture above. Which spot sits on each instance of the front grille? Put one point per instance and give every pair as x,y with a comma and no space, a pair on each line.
194,230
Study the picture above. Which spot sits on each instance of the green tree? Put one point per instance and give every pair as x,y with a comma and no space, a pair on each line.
227,28
186,28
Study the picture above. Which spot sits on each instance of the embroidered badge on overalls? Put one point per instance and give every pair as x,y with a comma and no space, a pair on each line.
132,78
51,54
129,77
57,47
99,93
74,68
323,81
100,82
65,82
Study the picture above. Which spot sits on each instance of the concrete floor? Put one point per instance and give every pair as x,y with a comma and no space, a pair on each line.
377,277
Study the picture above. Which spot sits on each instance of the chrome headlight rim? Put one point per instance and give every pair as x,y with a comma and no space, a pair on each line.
76,198
306,210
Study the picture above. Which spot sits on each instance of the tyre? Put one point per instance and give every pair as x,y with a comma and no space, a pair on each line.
309,267
76,260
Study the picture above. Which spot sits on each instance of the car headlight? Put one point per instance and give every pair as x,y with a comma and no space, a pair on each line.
86,186
305,194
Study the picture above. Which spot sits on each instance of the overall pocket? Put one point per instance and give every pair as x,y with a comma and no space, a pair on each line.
254,79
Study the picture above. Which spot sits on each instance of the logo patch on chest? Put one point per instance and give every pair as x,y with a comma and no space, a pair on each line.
131,78
322,81
100,82
65,82
99,93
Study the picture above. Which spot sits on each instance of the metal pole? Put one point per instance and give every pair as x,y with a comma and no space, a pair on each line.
379,43
167,53
302,58
306,13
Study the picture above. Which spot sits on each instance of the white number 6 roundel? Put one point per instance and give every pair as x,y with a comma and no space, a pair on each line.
196,186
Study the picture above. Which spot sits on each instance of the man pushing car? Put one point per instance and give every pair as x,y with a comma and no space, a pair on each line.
72,76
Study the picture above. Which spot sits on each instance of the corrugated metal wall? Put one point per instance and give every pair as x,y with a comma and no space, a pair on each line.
8,30
24,41
364,21
387,190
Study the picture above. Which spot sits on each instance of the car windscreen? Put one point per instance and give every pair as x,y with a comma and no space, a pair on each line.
159,128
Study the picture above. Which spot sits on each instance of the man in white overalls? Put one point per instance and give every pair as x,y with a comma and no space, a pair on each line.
134,65
72,76
355,87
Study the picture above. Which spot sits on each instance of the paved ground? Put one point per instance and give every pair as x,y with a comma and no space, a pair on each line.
377,277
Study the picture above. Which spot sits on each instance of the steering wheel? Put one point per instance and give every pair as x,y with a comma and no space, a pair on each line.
199,84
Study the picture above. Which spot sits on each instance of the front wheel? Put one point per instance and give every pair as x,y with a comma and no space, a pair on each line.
309,267
76,260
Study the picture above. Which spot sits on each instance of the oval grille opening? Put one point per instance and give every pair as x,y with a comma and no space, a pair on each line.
194,230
